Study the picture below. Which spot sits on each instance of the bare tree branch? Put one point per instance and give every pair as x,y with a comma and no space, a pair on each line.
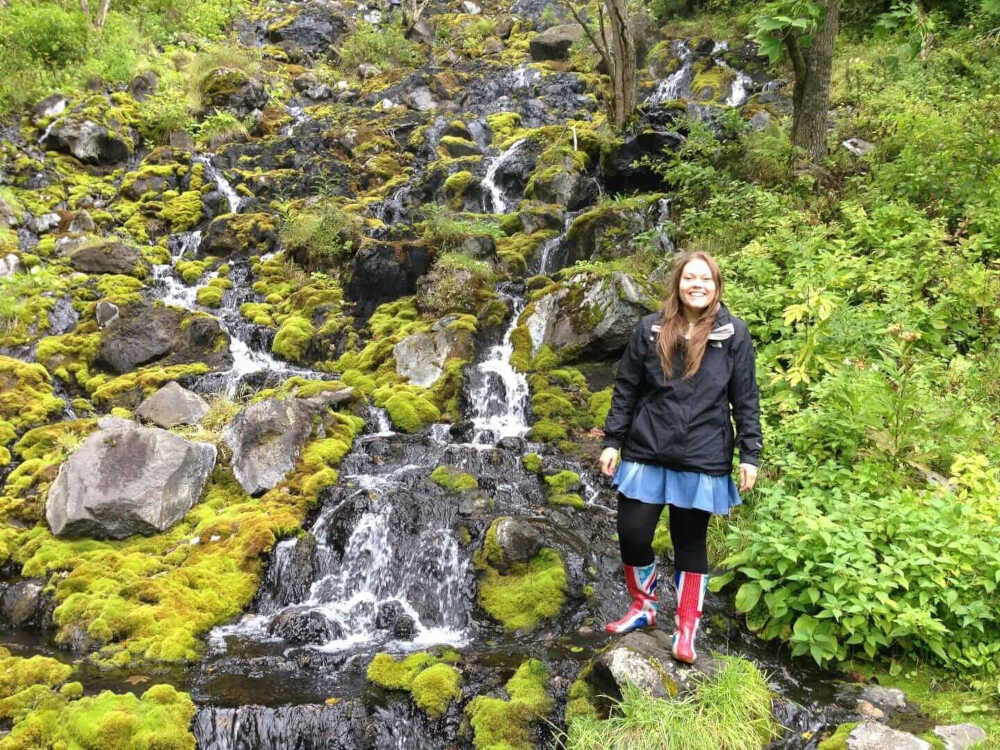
102,15
601,50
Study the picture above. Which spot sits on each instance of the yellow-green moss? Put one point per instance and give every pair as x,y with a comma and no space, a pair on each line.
386,671
27,394
183,211
528,593
292,338
558,488
580,700
149,599
506,724
435,688
838,740
191,270
132,387
532,462
503,125
452,479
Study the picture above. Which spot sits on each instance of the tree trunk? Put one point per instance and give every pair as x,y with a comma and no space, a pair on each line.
102,16
84,7
622,53
811,97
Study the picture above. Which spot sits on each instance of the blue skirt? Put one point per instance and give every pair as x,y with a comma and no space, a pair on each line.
649,483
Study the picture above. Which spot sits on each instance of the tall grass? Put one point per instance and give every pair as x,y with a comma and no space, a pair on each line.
728,711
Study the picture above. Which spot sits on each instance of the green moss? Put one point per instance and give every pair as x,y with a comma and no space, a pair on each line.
28,399
532,462
455,186
559,486
191,271
580,699
397,675
182,211
129,389
453,146
149,599
454,480
838,740
600,405
547,431
503,125
292,338
506,724
408,408
71,356
528,593
210,296
435,688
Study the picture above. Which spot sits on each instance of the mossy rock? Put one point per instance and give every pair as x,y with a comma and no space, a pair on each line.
527,594
453,479
498,723
28,397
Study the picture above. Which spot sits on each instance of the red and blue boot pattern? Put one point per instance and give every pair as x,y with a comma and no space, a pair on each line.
640,580
690,597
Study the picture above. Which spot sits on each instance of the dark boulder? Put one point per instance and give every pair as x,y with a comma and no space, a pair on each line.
554,43
301,625
240,233
24,604
313,31
393,617
110,257
88,141
232,90
382,272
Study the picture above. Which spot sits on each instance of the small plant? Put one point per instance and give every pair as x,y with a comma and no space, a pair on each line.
217,128
381,46
322,234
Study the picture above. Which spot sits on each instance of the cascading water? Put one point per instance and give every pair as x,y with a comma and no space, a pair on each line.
493,193
498,394
235,200
678,84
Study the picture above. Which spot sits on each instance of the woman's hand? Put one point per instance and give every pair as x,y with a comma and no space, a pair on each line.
748,477
609,461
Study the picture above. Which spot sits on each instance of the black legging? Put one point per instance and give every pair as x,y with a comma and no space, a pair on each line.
637,522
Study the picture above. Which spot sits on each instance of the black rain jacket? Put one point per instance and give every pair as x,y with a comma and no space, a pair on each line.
687,425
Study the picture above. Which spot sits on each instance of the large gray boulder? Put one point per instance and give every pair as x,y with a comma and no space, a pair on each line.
87,141
874,736
313,31
960,736
110,257
643,659
125,479
420,357
173,405
554,43
266,439
588,316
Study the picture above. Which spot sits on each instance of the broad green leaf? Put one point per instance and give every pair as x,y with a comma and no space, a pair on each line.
747,597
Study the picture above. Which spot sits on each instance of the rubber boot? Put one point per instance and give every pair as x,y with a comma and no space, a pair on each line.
690,596
641,584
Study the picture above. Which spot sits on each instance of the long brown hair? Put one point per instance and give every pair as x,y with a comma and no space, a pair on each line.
673,324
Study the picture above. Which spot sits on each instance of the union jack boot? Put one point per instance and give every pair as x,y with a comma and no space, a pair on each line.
641,584
690,596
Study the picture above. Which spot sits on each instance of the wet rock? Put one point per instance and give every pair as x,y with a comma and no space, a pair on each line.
172,405
554,43
49,107
81,222
301,625
421,32
127,480
623,169
181,139
9,264
609,231
761,120
960,736
458,147
384,272
87,141
62,317
44,222
643,659
874,736
143,85
393,617
514,444
313,31
884,698
266,439
367,70
858,146
421,99
589,317
110,257
239,233
519,540
232,90
868,711
143,333
491,46
471,8
345,725
421,357
23,603
105,312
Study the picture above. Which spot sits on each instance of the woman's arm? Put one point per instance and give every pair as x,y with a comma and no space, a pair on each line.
745,400
628,388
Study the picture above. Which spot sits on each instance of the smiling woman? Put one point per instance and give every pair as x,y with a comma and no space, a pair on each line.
687,373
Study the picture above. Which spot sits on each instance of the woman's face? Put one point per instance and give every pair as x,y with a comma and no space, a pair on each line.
697,287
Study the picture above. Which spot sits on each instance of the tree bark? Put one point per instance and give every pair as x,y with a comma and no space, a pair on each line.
811,97
622,52
102,15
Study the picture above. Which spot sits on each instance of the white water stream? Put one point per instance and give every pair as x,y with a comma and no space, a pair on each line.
493,195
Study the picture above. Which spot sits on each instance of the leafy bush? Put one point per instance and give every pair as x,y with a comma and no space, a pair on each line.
46,35
218,128
857,572
321,234
446,231
380,46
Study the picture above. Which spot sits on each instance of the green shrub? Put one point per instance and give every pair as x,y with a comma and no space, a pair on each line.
874,571
218,128
45,35
321,234
382,46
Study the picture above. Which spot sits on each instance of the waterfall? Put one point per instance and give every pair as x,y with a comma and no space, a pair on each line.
498,394
235,200
492,192
678,84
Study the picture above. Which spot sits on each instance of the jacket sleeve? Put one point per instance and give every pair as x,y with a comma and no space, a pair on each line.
745,400
628,388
